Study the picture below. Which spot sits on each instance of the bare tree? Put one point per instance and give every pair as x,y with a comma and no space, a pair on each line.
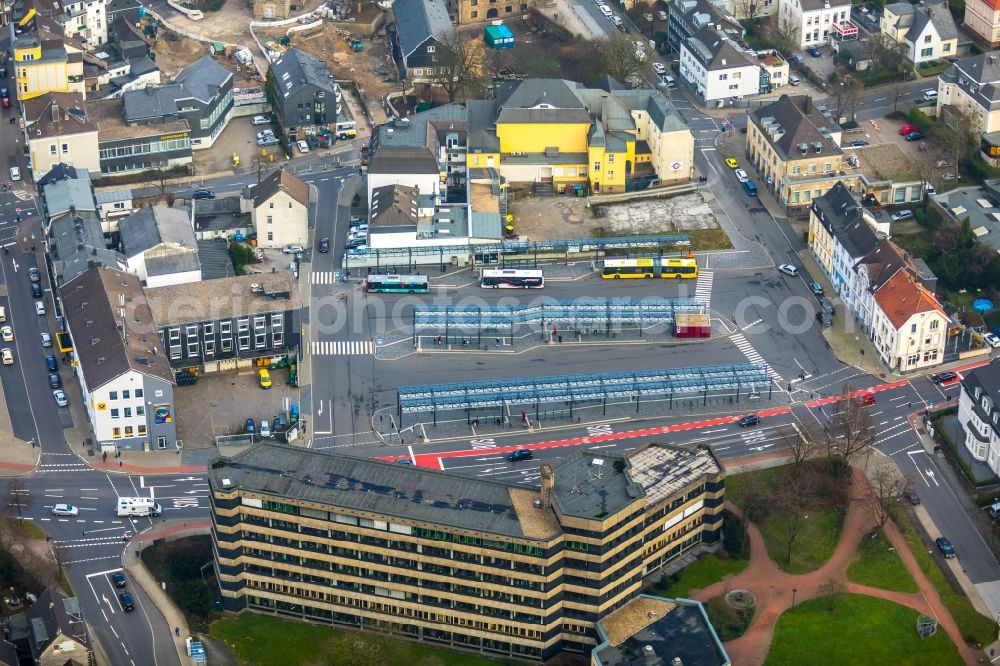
753,504
898,92
622,60
801,448
885,486
832,591
886,54
956,134
787,37
852,431
458,64
788,503
749,10
18,497
854,87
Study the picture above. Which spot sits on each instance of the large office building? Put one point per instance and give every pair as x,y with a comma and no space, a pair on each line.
468,563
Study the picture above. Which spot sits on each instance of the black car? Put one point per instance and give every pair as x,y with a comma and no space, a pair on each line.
945,547
912,497
814,52
520,454
125,599
55,381
749,420
858,143
824,319
203,194
119,579
942,377
34,275
3,72
827,305
324,245
36,290
914,136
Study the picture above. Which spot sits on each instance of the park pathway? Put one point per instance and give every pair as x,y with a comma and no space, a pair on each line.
775,589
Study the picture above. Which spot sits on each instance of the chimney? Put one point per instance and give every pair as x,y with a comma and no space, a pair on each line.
548,483
55,111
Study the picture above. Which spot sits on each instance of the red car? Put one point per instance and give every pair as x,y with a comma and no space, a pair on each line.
866,399
907,129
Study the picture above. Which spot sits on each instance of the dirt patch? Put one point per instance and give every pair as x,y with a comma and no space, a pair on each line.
546,218
174,52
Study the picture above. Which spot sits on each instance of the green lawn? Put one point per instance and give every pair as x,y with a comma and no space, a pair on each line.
935,70
31,530
729,622
707,569
264,640
736,484
974,627
878,565
860,630
813,545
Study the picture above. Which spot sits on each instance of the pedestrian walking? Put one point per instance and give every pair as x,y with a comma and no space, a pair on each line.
177,631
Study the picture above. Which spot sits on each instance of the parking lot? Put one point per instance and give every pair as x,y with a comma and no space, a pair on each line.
220,404
239,137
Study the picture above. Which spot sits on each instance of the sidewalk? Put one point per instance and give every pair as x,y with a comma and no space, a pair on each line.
140,576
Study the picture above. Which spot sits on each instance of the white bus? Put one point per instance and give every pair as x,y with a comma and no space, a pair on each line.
509,278
138,506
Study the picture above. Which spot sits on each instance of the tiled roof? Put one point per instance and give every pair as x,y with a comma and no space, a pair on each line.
540,101
393,206
936,14
400,159
295,68
202,78
883,262
280,180
223,298
419,20
902,297
799,121
149,227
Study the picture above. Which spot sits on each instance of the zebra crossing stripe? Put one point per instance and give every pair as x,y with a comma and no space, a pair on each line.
752,354
703,287
322,277
342,347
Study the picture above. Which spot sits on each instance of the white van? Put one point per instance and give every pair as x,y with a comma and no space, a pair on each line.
138,506
930,95
793,80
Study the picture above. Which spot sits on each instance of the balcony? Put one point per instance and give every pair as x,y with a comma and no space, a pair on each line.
845,30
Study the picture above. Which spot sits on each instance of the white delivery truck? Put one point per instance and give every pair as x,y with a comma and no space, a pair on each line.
138,506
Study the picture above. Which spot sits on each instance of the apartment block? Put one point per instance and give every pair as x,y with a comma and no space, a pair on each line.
465,562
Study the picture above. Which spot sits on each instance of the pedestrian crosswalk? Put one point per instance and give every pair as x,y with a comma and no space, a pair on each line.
322,277
342,347
752,355
703,288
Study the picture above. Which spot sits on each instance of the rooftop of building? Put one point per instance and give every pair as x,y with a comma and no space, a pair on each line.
483,199
296,68
654,631
987,378
91,305
843,217
151,227
108,114
208,300
715,50
280,180
393,206
883,262
980,204
902,297
419,20
57,114
884,162
795,127
55,616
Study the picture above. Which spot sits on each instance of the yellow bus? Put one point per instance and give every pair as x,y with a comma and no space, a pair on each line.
675,267
627,268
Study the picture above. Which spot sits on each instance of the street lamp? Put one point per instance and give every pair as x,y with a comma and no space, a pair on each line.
793,595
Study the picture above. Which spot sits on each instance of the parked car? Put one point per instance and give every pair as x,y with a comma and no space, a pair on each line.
36,290
858,143
942,377
34,275
814,52
945,547
914,136
292,249
50,363
661,16
65,510
202,193
404,461
992,340
520,454
659,68
265,428
947,175
793,80
250,426
40,308
5,97
7,333
7,356
324,245
749,420
264,378
789,269
732,163
911,497
902,215
125,599
46,339
302,146
268,141
264,134
940,164
260,120
55,381
798,58
816,288
930,95
118,579
741,175
60,397
825,320
827,305
865,399
907,129
15,174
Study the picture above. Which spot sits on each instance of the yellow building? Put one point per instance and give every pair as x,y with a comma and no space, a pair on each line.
796,150
555,133
46,60
461,561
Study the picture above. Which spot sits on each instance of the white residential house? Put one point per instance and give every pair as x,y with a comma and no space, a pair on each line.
817,22
926,30
718,67
160,247
281,210
87,20
124,376
909,326
979,413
